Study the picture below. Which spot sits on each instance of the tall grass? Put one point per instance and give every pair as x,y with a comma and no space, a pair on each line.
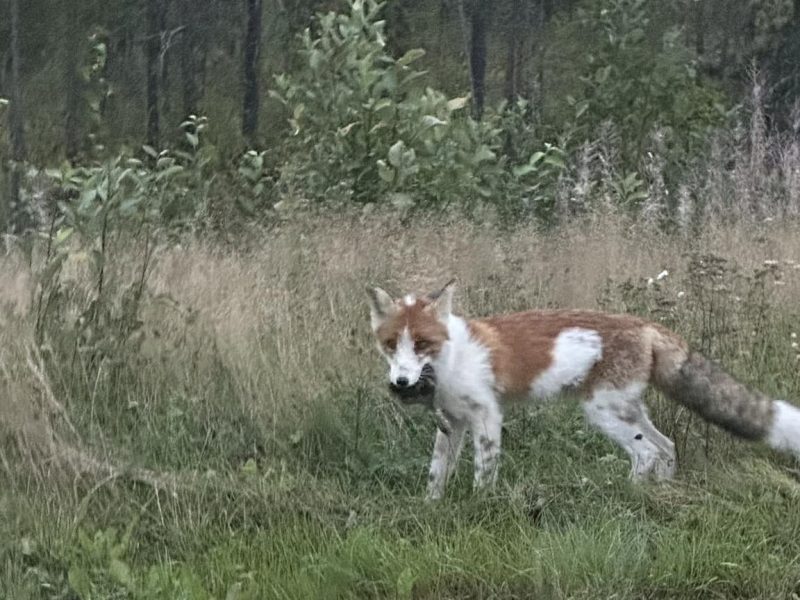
240,442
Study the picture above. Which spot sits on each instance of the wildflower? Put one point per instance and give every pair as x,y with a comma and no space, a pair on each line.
649,281
770,263
795,345
662,275
793,335
681,294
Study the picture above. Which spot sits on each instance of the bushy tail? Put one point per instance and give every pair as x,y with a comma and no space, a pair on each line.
705,388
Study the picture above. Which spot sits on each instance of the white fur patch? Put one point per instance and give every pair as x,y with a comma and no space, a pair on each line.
405,362
463,368
575,352
410,300
620,414
785,431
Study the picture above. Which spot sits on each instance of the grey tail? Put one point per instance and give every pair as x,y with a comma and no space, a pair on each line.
705,388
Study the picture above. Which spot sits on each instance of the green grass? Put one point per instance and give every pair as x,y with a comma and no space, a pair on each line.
300,478
323,519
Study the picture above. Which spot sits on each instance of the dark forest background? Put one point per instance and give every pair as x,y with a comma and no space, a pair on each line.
505,106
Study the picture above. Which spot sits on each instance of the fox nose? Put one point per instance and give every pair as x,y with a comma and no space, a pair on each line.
401,382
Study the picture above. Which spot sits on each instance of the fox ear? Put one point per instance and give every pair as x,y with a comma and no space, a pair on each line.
381,306
442,300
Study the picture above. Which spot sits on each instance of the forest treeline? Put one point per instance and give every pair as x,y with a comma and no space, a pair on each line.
524,104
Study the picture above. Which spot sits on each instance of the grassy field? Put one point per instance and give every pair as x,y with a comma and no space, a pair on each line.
231,437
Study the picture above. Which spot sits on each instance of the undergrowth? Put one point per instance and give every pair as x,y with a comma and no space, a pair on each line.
213,424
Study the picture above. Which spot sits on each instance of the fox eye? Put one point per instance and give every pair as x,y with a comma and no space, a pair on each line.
421,345
391,344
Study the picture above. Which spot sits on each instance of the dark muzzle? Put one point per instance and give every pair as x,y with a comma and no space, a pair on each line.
420,392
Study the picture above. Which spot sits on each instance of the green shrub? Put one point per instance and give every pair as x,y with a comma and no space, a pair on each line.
364,128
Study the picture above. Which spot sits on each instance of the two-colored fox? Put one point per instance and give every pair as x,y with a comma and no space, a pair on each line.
466,370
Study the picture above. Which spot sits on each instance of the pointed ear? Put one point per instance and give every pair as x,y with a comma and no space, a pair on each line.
442,300
381,306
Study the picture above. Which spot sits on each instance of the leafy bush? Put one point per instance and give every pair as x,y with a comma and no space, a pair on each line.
639,83
362,127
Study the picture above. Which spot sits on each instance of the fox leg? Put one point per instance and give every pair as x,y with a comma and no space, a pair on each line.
486,422
621,415
446,450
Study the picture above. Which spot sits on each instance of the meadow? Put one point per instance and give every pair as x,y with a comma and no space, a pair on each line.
232,437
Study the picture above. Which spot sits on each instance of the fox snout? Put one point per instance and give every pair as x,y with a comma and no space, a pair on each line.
420,390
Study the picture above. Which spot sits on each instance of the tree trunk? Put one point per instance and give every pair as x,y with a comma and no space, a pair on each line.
252,50
19,216
72,82
475,17
699,28
545,13
153,57
512,56
189,57
477,55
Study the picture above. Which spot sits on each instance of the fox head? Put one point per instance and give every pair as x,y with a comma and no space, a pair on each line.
410,333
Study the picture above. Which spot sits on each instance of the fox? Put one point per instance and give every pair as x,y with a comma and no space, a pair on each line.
468,371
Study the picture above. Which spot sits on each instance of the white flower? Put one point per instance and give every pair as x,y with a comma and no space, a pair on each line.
681,294
649,281
795,345
793,335
770,263
662,275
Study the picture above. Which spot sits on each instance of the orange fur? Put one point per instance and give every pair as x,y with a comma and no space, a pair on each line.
428,333
521,344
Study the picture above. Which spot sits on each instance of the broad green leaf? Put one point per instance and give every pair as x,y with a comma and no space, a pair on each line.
457,103
411,56
482,154
554,160
382,104
343,131
129,205
164,162
411,77
523,170
431,121
396,153
169,172
63,235
87,199
385,172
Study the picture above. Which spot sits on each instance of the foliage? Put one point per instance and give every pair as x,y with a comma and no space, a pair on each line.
363,128
93,213
639,83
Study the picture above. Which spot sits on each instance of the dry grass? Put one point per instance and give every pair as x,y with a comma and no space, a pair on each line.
257,391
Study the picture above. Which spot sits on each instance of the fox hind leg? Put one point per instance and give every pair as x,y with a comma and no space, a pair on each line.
486,424
622,416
